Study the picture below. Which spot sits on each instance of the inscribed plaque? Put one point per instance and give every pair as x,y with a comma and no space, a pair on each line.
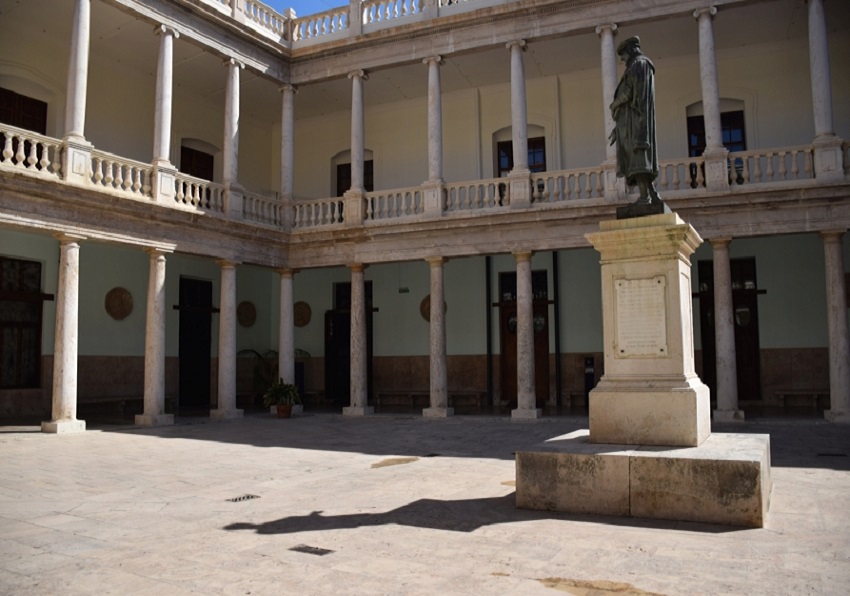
641,317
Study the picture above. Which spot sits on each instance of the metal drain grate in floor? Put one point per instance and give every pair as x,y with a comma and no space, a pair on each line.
243,498
311,550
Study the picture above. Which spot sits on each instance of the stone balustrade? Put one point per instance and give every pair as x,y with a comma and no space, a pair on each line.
567,185
680,174
119,174
321,25
263,209
476,195
393,204
197,194
771,165
317,214
25,150
383,11
266,19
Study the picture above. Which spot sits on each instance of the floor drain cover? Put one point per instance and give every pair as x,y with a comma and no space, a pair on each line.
311,550
243,498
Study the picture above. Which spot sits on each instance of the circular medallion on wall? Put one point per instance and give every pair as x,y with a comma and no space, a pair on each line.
425,308
118,303
302,314
246,314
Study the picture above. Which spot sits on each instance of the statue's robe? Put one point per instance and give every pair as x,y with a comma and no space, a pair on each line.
635,123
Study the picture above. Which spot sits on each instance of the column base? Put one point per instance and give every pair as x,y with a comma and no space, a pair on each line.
728,415
63,426
838,416
226,414
526,414
154,419
358,411
438,412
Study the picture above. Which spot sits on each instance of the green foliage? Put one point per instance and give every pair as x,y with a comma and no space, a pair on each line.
281,393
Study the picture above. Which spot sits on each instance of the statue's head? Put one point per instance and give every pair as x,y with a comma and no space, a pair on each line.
629,47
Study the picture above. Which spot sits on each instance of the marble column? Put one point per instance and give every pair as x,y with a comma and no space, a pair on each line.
715,154
828,155
354,204
164,86
227,344
164,172
230,147
839,336
287,151
359,354
64,414
614,187
526,390
520,180
78,71
724,334
76,158
154,408
433,194
286,337
357,129
439,377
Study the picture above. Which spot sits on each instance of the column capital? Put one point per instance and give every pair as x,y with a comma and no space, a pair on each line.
227,263
612,27
720,241
523,255
69,238
357,267
166,30
360,74
233,62
832,235
286,87
709,10
287,271
435,261
430,59
518,42
156,251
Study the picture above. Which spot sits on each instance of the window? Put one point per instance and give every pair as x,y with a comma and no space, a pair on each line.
732,127
536,156
343,177
196,163
20,323
22,111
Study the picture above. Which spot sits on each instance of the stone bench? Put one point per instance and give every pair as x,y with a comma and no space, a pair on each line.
415,399
808,397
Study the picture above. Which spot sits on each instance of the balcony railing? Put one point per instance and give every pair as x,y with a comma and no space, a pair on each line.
40,156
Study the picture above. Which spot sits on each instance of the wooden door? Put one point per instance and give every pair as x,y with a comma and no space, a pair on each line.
195,343
507,337
338,345
745,294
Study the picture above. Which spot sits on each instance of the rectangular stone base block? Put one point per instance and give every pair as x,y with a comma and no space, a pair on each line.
526,413
726,480
680,418
358,411
438,412
63,426
155,420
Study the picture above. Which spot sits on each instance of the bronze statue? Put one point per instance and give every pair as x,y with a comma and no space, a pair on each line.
633,110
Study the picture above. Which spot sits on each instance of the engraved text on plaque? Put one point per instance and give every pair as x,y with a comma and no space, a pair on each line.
641,317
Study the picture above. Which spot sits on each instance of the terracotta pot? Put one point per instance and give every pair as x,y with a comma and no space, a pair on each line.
284,410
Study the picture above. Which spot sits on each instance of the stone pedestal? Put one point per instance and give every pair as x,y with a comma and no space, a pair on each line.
154,419
649,451
438,412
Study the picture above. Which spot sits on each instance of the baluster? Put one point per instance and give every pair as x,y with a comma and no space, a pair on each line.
770,171
745,169
19,154
782,167
677,181
45,158
32,158
128,177
98,174
795,167
757,177
700,175
146,187
7,147
137,180
808,165
119,175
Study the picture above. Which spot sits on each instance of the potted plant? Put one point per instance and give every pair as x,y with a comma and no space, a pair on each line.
283,396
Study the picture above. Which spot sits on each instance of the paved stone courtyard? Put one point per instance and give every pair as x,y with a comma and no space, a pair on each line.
384,505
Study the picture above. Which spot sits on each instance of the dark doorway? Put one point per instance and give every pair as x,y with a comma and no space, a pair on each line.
196,163
22,111
507,336
343,177
745,294
195,343
20,323
338,345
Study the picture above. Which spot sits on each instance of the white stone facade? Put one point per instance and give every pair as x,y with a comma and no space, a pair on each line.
421,99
